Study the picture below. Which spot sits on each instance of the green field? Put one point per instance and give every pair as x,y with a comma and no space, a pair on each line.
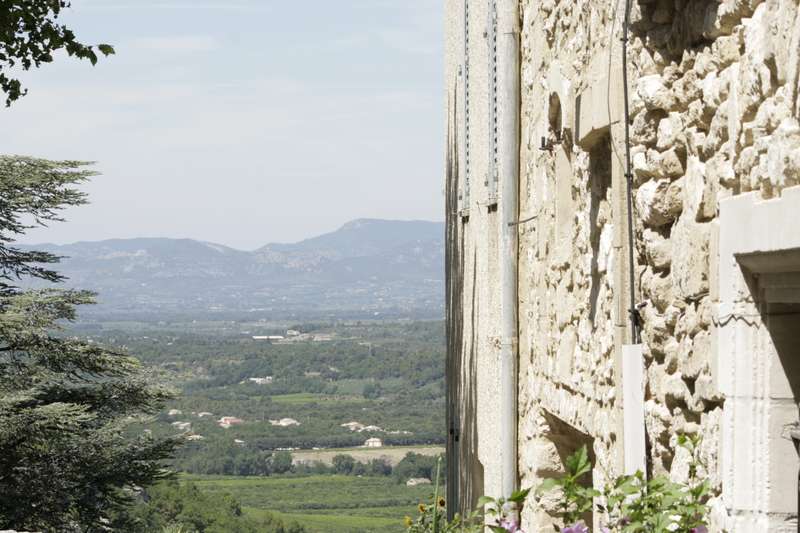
299,398
324,504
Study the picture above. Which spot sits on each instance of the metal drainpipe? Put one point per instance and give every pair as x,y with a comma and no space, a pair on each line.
508,134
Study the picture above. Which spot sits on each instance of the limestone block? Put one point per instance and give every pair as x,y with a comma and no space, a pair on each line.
658,288
657,250
782,459
715,87
658,422
652,164
705,314
695,142
655,380
708,204
696,115
708,450
675,389
687,61
670,131
659,202
671,315
783,155
720,169
606,249
646,64
748,159
654,93
698,357
690,265
687,89
694,185
600,104
687,324
565,304
679,472
678,355
727,49
722,19
755,80
566,354
645,127
705,389
669,164
671,354
718,132
759,177
705,62
643,167
771,113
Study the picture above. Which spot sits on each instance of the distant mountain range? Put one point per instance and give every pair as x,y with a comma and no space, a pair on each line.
365,268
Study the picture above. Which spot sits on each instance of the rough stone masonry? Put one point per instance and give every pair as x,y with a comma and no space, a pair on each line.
715,118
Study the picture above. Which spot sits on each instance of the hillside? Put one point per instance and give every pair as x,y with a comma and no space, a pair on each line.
365,268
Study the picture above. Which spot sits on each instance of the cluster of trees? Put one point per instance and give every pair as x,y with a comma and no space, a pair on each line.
416,465
236,461
174,506
248,462
67,461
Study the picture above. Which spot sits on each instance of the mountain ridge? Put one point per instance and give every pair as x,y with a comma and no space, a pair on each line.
350,225
367,266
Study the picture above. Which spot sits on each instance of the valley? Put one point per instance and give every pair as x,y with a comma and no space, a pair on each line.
322,424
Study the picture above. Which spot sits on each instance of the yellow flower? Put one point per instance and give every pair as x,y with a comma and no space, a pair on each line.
421,507
408,522
441,502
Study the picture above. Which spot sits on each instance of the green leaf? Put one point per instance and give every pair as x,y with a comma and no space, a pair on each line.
549,484
578,463
106,49
483,501
519,496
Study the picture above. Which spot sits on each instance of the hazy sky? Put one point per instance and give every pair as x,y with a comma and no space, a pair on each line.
243,121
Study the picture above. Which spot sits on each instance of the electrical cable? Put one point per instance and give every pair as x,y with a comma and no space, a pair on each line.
635,317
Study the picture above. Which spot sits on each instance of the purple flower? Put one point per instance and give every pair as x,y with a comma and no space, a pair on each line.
577,527
700,529
510,525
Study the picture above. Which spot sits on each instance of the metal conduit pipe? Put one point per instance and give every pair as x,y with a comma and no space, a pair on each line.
508,139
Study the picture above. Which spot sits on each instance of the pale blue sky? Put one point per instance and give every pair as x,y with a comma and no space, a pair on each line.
243,121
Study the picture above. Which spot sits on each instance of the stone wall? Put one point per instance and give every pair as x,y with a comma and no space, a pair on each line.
714,114
714,107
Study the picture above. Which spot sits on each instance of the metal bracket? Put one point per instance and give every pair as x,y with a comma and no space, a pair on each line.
523,221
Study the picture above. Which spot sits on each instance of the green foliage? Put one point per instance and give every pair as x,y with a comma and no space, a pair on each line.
432,518
502,514
67,458
659,505
576,499
182,507
29,36
415,465
373,391
343,464
323,503
282,462
212,362
633,504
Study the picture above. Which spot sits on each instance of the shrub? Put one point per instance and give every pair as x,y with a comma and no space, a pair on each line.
632,503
